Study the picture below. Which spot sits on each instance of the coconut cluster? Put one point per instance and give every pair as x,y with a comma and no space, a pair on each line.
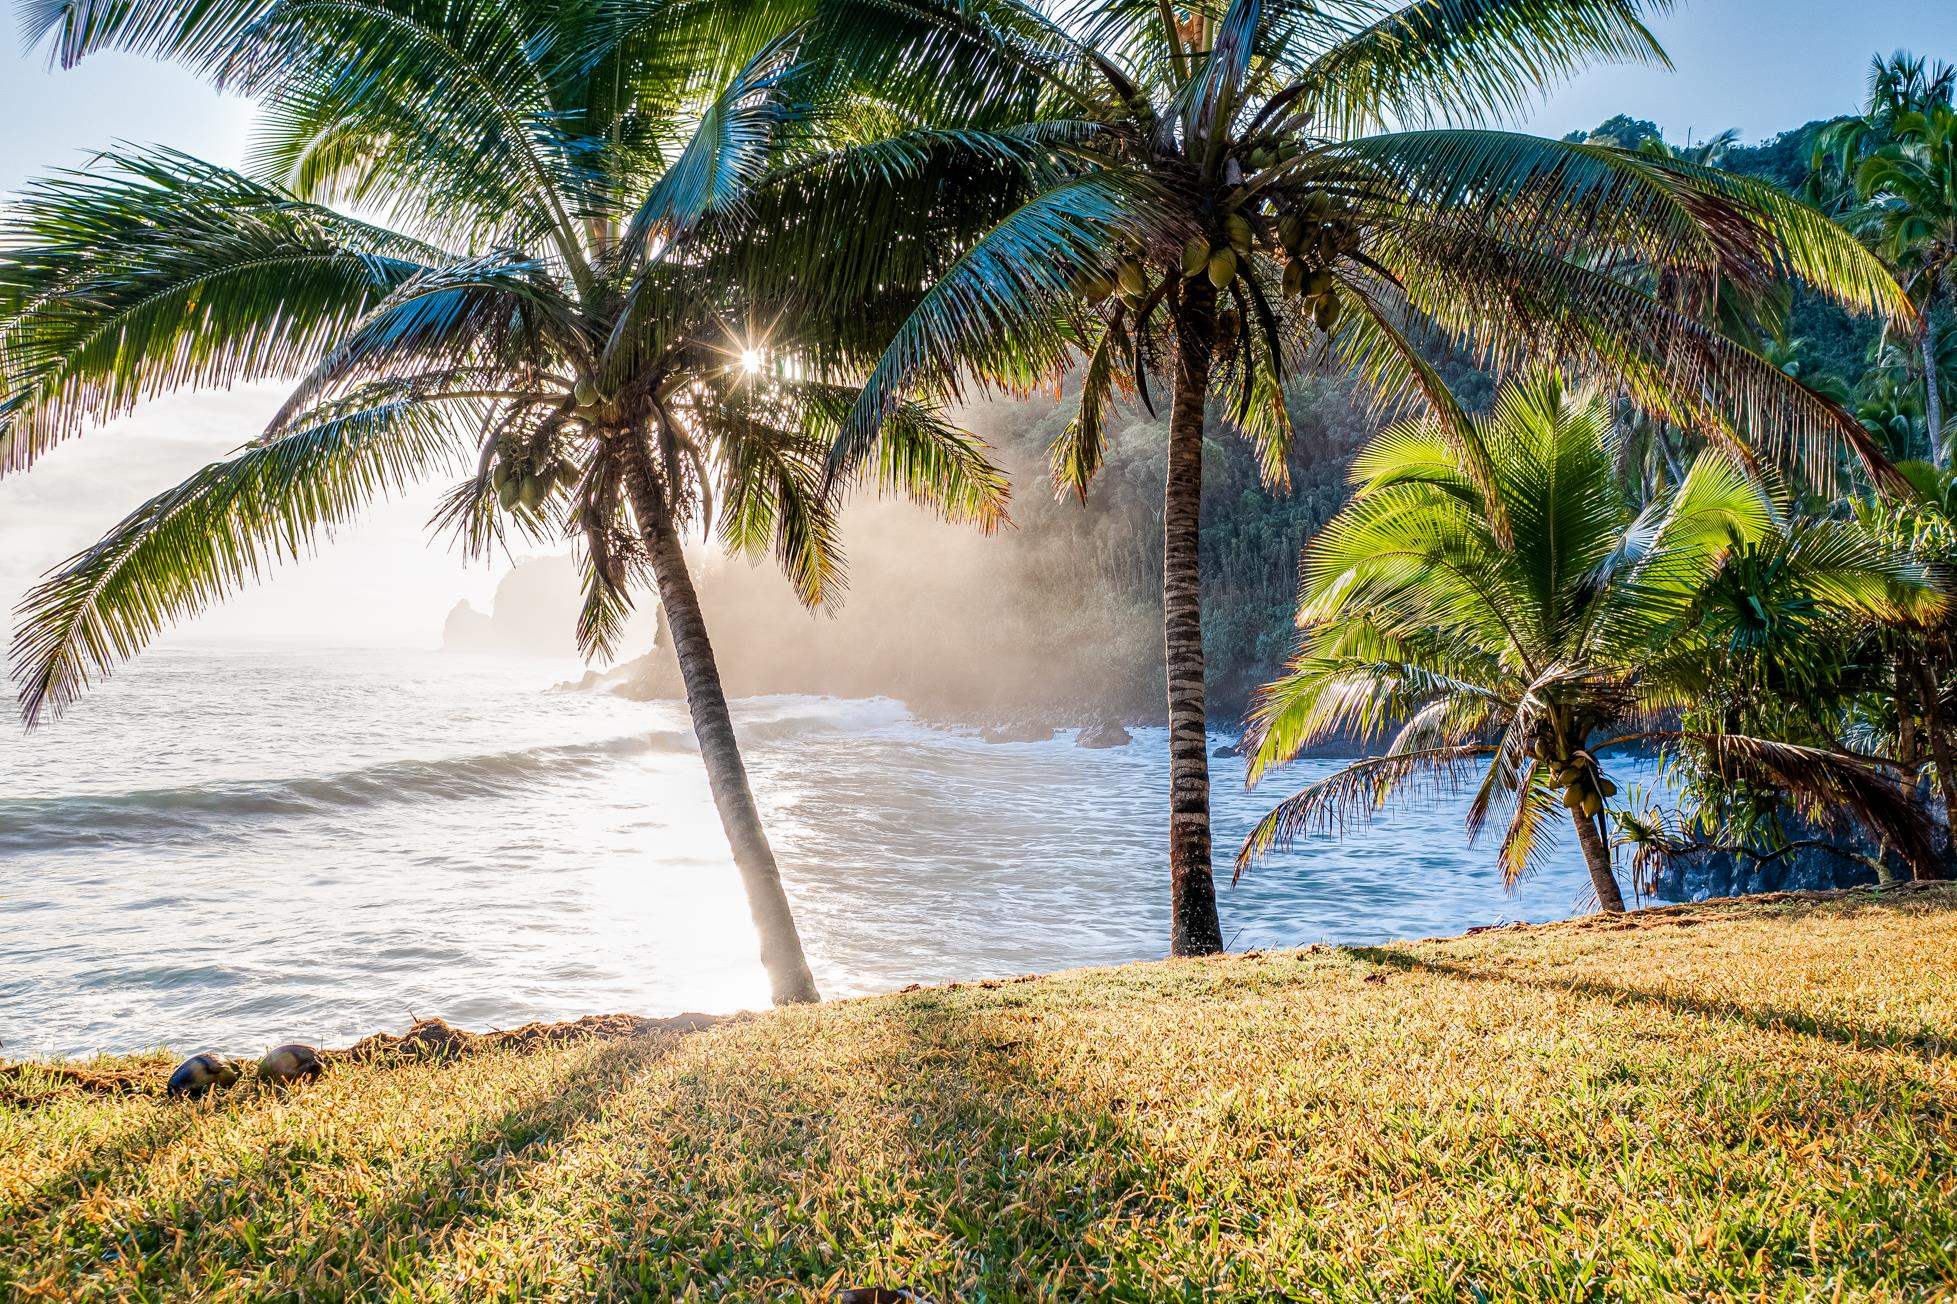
529,466
282,1065
1310,231
1577,775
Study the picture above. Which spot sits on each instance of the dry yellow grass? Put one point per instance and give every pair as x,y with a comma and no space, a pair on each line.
1736,1100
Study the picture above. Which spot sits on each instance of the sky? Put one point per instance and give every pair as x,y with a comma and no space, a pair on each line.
1755,65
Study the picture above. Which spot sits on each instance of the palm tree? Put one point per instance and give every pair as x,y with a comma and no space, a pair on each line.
1226,203
1900,84
1523,619
1890,407
1908,191
1894,169
550,308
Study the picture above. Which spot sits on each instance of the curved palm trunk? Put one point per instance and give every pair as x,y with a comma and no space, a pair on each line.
1193,926
1597,856
781,945
1932,400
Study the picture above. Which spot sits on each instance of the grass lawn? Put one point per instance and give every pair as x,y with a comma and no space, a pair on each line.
1753,1100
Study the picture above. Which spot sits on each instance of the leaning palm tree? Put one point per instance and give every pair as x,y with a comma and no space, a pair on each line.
1228,200
1518,617
543,300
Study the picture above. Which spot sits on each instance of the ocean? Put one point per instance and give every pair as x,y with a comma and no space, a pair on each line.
225,849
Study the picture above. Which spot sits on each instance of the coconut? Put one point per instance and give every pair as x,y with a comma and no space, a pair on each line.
199,1074
1237,228
1195,256
1326,312
1294,278
1133,278
293,1062
1223,267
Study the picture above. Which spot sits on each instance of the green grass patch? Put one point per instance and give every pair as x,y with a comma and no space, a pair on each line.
1735,1100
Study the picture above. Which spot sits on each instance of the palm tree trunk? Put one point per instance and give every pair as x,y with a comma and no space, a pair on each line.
781,945
1932,400
1597,856
1193,925
1937,733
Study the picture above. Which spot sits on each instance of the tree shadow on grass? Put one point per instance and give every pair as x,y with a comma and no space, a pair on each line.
1764,1016
118,1154
950,1156
183,1236
457,1186
1026,1190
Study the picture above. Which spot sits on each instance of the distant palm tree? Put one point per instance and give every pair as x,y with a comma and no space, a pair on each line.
1708,153
1900,84
553,310
1525,621
1890,407
1893,171
1908,193
1228,200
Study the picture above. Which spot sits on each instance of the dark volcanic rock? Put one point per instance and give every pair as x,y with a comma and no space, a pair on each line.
1108,733
1018,731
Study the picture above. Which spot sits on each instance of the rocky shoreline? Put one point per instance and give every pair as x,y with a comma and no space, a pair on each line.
1096,725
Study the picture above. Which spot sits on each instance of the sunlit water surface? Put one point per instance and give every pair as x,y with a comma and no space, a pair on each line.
225,850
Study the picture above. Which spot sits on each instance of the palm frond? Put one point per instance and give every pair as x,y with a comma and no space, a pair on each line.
1354,792
225,526
163,272
1836,790
1077,451
994,312
1461,60
724,157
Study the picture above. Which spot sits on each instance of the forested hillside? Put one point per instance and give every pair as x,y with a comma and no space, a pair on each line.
1252,535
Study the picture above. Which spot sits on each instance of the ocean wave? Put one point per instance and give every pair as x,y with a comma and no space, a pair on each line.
40,824
162,815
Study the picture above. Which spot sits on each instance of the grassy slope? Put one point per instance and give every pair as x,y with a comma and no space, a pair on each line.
1749,1099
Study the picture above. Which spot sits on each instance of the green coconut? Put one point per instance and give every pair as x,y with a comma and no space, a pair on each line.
1236,227
1295,273
1195,256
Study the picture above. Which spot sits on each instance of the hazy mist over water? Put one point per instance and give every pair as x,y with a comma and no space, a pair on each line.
227,849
